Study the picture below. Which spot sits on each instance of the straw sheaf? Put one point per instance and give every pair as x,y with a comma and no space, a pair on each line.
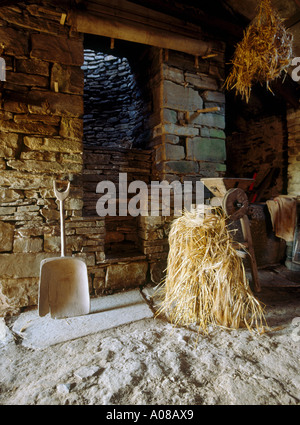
206,282
264,53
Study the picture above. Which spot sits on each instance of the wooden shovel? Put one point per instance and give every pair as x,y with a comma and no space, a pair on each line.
64,288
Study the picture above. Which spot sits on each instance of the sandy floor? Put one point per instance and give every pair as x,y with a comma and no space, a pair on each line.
151,363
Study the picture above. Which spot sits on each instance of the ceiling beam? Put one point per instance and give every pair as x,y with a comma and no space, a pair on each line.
59,3
293,20
138,33
131,12
202,13
8,2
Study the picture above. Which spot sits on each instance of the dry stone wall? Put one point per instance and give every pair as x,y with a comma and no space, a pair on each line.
135,248
40,140
260,146
190,144
114,113
106,164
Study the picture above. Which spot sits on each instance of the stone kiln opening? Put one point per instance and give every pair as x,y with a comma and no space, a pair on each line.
113,104
115,129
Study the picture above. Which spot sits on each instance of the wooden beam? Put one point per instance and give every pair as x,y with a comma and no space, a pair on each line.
212,17
137,32
123,9
58,3
293,20
8,3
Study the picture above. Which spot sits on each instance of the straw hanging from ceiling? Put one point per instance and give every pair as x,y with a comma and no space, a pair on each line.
263,54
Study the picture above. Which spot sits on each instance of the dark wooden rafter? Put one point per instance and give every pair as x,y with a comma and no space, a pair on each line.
295,19
126,10
8,3
212,16
123,19
59,3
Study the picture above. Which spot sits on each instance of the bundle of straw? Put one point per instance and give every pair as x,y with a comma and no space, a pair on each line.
206,282
263,54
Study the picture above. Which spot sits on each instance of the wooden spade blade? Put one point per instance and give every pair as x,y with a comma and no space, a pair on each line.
67,281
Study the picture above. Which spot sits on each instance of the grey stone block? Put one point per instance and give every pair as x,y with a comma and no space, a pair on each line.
205,149
174,152
181,167
181,98
210,120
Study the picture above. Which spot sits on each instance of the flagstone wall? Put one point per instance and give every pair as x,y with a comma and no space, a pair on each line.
40,140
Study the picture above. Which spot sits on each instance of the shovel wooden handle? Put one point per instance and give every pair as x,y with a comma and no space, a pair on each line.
61,196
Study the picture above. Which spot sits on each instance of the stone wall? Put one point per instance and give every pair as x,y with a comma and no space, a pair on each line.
259,145
135,248
190,144
106,164
114,113
293,123
40,140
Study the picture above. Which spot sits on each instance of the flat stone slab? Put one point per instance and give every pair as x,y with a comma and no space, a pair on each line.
5,334
106,312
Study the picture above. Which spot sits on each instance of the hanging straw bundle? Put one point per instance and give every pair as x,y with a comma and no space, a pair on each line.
206,282
263,54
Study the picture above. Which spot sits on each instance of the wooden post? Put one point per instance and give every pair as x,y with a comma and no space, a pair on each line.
166,55
248,238
63,18
202,111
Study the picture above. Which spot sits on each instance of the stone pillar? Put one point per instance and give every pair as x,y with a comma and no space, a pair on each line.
188,145
192,144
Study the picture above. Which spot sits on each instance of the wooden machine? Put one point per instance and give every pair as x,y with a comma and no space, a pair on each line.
229,193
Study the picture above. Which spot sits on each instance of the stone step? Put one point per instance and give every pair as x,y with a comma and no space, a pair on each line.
106,312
